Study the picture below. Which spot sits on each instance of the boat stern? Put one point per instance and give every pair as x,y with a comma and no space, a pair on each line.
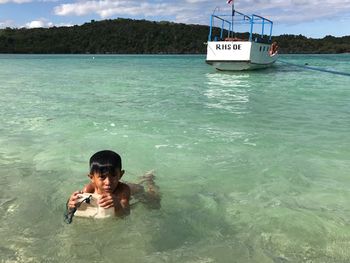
228,51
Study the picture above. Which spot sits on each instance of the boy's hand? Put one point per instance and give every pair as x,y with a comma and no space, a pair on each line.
121,205
109,200
73,199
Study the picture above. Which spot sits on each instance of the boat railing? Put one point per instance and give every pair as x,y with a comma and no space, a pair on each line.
229,25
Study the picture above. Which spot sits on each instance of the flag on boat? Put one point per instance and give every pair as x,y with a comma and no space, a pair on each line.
229,1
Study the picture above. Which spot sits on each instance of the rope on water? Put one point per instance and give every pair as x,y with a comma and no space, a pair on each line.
317,69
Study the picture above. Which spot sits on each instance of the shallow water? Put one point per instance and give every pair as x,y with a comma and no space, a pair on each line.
252,166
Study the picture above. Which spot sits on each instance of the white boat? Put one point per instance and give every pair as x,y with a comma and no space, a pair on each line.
229,50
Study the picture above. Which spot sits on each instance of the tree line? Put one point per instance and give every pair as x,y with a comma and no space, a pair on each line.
127,36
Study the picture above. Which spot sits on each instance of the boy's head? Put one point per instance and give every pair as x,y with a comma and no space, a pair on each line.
105,170
105,160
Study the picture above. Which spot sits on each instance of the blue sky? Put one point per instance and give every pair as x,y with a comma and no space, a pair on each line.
312,18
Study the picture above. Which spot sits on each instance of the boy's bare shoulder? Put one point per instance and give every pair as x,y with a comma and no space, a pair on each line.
89,188
123,188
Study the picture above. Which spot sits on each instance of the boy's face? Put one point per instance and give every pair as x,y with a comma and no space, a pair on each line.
106,182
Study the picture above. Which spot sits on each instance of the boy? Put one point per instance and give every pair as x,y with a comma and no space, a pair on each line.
105,174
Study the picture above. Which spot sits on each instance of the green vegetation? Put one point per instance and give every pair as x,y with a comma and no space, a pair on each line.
126,36
302,44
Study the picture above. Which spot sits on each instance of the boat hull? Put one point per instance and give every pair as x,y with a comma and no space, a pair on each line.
239,55
237,65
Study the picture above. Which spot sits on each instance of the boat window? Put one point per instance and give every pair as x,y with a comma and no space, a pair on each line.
260,49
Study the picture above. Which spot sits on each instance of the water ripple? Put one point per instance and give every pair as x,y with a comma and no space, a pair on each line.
228,92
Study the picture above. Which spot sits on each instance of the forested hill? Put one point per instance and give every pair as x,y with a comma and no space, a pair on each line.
126,36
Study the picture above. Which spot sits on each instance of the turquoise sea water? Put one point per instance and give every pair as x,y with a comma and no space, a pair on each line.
252,166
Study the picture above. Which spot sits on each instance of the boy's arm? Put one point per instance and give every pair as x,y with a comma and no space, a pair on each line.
73,200
89,188
120,201
124,202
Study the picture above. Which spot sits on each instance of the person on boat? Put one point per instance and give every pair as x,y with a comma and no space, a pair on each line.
105,174
273,49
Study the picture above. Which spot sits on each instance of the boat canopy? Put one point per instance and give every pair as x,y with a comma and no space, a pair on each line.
226,27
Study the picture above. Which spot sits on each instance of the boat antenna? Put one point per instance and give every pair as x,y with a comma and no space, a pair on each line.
216,8
232,2
233,14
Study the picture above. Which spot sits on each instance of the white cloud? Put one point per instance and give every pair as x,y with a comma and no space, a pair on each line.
38,23
198,11
7,23
297,11
109,8
196,1
25,1
63,24
14,1
33,24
